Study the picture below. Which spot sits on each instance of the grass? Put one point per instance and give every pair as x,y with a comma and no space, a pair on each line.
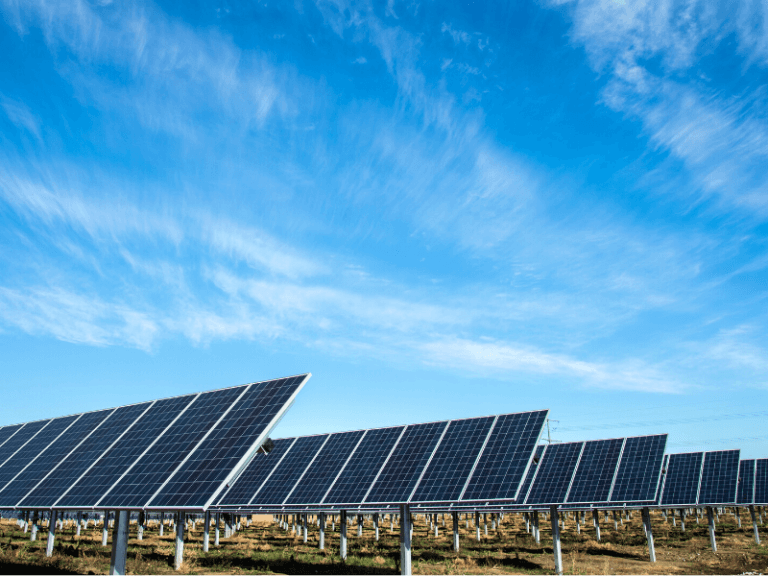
264,548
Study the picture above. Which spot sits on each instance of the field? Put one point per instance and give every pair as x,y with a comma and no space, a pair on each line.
265,548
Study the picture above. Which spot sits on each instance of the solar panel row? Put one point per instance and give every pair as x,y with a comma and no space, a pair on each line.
753,482
701,479
176,452
615,471
455,460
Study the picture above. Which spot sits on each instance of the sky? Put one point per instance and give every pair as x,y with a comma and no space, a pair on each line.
440,209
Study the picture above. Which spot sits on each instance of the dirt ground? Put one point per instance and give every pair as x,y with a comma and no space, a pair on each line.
264,548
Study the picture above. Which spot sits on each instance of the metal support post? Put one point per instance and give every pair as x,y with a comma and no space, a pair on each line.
738,517
304,521
119,542
555,521
536,533
162,519
596,522
206,530
322,531
51,533
35,520
105,528
682,520
140,525
343,534
455,516
359,525
376,525
79,524
477,525
179,557
649,534
615,520
711,521
405,539
485,523
217,530
754,524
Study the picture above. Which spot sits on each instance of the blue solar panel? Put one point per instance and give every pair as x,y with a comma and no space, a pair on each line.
746,493
26,453
18,440
503,463
319,476
150,471
46,459
66,473
284,478
7,432
231,442
719,478
526,485
363,465
597,468
554,474
761,482
681,483
399,476
637,479
242,489
453,461
90,488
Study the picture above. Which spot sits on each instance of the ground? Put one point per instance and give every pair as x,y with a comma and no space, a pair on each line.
264,548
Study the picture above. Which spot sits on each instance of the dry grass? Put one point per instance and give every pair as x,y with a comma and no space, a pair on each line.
265,549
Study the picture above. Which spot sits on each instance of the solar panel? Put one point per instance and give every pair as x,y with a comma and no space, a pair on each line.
175,452
284,477
554,473
526,485
49,456
400,474
597,469
637,479
719,477
746,493
361,468
454,460
681,483
506,457
323,471
761,482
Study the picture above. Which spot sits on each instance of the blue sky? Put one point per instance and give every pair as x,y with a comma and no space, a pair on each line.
439,209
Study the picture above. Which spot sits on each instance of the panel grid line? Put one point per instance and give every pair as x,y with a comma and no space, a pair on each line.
618,466
426,466
479,454
309,465
384,465
341,470
575,471
271,472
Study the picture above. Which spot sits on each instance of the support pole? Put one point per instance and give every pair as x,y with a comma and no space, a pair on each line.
162,519
738,517
555,521
405,539
217,530
322,531
477,525
359,525
649,534
105,528
140,525
343,534
536,533
179,557
51,533
304,521
35,528
754,524
455,516
682,520
376,525
596,522
711,521
206,530
79,524
119,542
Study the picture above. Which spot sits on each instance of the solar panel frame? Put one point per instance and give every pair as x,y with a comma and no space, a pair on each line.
599,457
655,445
682,480
554,474
747,473
761,482
719,478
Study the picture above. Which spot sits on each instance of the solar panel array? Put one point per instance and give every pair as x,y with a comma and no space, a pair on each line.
753,482
701,479
175,452
450,461
610,472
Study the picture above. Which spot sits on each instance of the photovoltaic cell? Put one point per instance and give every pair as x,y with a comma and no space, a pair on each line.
196,481
639,469
284,478
597,468
317,479
526,485
719,478
761,482
399,476
363,466
18,440
746,482
91,487
451,464
66,473
49,457
554,474
7,431
681,483
25,454
150,471
244,487
503,463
